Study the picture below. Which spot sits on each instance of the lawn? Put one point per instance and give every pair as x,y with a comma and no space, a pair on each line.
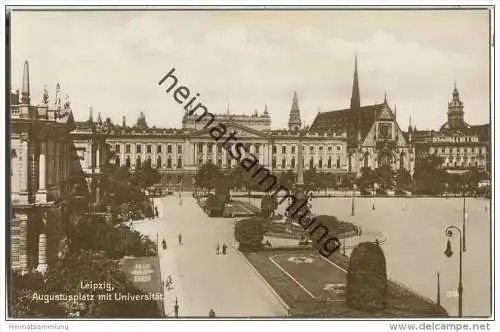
313,286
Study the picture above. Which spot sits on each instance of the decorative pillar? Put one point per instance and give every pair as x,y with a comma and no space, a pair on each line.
25,175
98,156
205,153
42,173
23,243
57,159
42,247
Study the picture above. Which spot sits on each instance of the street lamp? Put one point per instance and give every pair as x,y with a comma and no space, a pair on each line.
464,217
353,193
448,252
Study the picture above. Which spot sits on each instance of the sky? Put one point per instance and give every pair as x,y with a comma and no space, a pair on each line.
244,60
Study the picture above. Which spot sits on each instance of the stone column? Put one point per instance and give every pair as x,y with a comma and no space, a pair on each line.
224,158
23,242
98,156
24,182
205,153
43,248
57,169
42,173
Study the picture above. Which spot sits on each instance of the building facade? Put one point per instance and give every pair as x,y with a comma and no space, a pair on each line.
41,169
374,136
459,145
179,152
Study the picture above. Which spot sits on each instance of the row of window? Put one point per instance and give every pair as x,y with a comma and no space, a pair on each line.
283,164
210,148
138,162
149,148
457,150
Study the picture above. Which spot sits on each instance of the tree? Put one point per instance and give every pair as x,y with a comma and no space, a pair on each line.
147,176
208,176
249,233
287,179
121,174
267,205
367,278
429,177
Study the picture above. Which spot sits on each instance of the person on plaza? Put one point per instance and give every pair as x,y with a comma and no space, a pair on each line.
180,239
169,283
156,212
224,249
217,248
164,244
211,313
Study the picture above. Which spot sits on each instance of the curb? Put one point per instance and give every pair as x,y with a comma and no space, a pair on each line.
282,302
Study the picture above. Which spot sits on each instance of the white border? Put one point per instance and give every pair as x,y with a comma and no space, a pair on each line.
181,325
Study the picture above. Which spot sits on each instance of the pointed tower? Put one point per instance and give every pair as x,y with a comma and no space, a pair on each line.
25,92
355,97
456,111
294,122
91,115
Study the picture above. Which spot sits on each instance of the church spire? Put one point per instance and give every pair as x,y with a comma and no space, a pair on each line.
355,97
25,93
294,122
91,115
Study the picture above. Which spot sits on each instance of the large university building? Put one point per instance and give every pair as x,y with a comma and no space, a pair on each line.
374,138
178,152
40,176
459,145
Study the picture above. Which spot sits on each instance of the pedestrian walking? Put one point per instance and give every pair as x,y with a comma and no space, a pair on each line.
211,313
164,244
224,249
180,239
217,248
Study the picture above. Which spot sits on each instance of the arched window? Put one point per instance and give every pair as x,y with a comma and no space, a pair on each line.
365,159
338,162
320,163
311,163
127,162
219,162
138,162
329,165
117,161
385,159
158,161
293,162
169,162
179,162
283,163
402,160
274,162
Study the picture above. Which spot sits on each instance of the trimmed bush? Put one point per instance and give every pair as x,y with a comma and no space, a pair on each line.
215,205
249,233
367,278
335,226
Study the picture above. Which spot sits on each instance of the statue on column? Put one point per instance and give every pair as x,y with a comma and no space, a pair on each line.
45,96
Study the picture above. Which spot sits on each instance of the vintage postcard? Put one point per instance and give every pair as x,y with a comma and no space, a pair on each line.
214,163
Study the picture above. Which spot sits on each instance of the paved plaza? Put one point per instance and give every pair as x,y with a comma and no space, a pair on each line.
203,280
414,229
414,246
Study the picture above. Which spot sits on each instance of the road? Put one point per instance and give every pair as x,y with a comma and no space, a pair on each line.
202,279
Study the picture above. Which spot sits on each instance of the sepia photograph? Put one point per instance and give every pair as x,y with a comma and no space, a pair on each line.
249,163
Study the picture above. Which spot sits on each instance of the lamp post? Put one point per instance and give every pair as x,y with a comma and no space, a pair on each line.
438,290
448,252
353,193
464,217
